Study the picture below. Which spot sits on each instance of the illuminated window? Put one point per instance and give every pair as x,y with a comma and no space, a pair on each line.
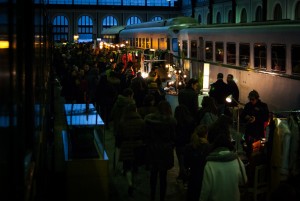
60,29
109,21
85,29
133,20
156,18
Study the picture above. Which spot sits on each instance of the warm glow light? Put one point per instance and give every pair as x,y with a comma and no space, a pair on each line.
4,44
144,74
206,76
229,99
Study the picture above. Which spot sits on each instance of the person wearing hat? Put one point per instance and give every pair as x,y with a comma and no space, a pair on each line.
255,114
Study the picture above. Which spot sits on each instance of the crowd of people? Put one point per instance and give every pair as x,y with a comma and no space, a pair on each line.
147,132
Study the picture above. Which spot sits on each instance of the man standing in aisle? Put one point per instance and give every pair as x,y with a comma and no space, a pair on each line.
219,91
255,115
189,96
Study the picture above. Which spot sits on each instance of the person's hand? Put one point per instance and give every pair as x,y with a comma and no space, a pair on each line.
251,119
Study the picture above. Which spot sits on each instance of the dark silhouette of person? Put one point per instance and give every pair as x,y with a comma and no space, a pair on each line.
188,96
219,91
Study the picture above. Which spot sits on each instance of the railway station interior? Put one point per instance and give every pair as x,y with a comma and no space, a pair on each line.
41,160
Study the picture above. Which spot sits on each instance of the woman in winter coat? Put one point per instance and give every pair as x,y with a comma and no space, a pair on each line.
160,133
194,160
223,171
131,138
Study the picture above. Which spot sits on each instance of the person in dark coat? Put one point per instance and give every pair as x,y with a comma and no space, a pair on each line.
117,111
131,138
219,91
184,129
194,160
189,96
159,137
255,115
233,90
140,89
148,106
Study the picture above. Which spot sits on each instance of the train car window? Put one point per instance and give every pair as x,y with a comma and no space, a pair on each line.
194,49
168,44
219,52
143,43
175,44
184,48
244,54
209,50
151,43
260,55
278,52
131,42
231,53
295,59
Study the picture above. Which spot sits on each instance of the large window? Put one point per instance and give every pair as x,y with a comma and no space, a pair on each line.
277,12
133,20
60,29
85,29
194,49
259,14
243,16
156,18
244,54
278,52
219,52
231,53
109,21
184,48
260,55
175,44
209,50
295,59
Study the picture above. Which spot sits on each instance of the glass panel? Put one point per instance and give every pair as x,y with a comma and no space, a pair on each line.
208,50
219,51
244,54
231,53
260,55
184,48
175,44
278,57
295,59
194,49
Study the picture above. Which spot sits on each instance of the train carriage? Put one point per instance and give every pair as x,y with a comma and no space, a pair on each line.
264,57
